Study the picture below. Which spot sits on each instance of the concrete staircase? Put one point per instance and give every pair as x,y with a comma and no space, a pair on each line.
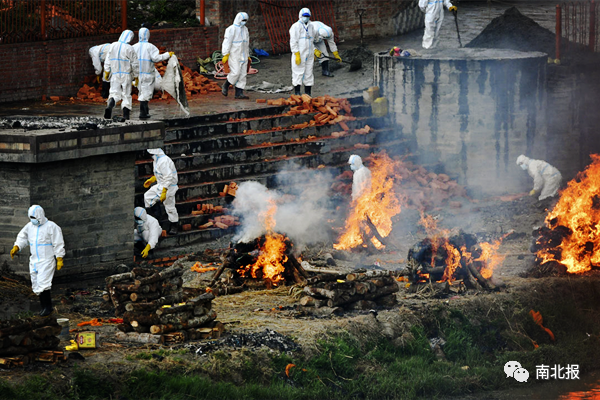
211,151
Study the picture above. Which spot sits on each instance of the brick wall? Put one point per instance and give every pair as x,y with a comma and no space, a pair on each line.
381,18
58,67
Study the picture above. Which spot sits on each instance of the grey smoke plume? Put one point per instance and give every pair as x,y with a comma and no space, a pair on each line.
301,211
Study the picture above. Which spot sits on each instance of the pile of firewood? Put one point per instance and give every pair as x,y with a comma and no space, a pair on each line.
158,309
354,291
22,339
548,239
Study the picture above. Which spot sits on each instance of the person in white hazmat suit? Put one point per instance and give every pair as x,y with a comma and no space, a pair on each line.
147,55
236,52
47,248
361,180
325,33
546,178
434,15
302,36
121,67
146,233
165,176
98,56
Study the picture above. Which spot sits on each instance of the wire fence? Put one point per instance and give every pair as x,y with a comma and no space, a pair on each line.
35,20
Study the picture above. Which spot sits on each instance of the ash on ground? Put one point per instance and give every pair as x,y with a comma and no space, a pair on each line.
60,123
266,338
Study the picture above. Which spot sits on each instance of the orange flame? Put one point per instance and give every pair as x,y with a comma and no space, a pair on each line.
579,210
272,253
379,204
490,257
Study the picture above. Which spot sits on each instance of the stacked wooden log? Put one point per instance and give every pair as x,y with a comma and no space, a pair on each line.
547,240
20,338
154,303
354,291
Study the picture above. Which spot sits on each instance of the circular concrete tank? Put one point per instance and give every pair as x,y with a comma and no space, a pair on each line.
472,111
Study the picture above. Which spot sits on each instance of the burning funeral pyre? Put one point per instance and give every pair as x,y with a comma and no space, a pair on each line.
452,263
571,238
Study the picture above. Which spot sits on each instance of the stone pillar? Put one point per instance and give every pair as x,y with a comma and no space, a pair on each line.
470,111
84,180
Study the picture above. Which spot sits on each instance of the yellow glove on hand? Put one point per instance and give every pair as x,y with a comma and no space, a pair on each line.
98,78
105,75
298,60
145,251
136,82
453,8
337,55
14,251
149,181
532,193
225,58
73,346
171,54
163,195
318,53
59,263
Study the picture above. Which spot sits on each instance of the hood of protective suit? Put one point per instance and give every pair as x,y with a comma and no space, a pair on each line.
239,17
304,11
38,213
140,213
155,151
126,36
523,160
323,30
144,35
355,162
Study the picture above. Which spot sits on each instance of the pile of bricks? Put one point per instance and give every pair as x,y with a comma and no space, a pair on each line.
221,222
229,189
208,209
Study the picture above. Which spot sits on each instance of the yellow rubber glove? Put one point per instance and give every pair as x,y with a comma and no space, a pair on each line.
171,54
453,8
225,58
298,60
337,55
105,75
98,78
59,263
72,347
318,53
532,193
163,195
14,251
149,181
145,251
136,82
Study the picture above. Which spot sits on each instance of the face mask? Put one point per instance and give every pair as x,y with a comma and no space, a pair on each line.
34,221
243,23
139,224
353,167
305,19
524,167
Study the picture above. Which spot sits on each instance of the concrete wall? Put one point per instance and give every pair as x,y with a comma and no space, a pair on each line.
473,111
381,18
58,67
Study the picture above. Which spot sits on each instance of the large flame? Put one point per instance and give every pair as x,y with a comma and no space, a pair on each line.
269,264
379,205
578,209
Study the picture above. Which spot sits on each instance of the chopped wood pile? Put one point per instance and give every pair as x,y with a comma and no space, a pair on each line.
548,241
449,264
25,340
422,189
354,291
155,307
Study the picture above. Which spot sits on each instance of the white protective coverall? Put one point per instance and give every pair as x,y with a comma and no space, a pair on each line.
122,65
45,242
98,56
148,229
546,178
302,38
434,15
361,180
324,33
236,43
147,55
166,177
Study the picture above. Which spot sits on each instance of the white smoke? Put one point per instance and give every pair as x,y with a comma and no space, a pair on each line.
301,212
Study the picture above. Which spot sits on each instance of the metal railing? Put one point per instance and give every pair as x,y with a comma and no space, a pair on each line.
577,22
34,20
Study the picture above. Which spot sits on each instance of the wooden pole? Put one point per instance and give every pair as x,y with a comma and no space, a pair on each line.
202,12
558,30
592,42
124,14
43,19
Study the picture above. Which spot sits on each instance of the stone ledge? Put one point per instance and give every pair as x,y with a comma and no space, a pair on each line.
53,145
